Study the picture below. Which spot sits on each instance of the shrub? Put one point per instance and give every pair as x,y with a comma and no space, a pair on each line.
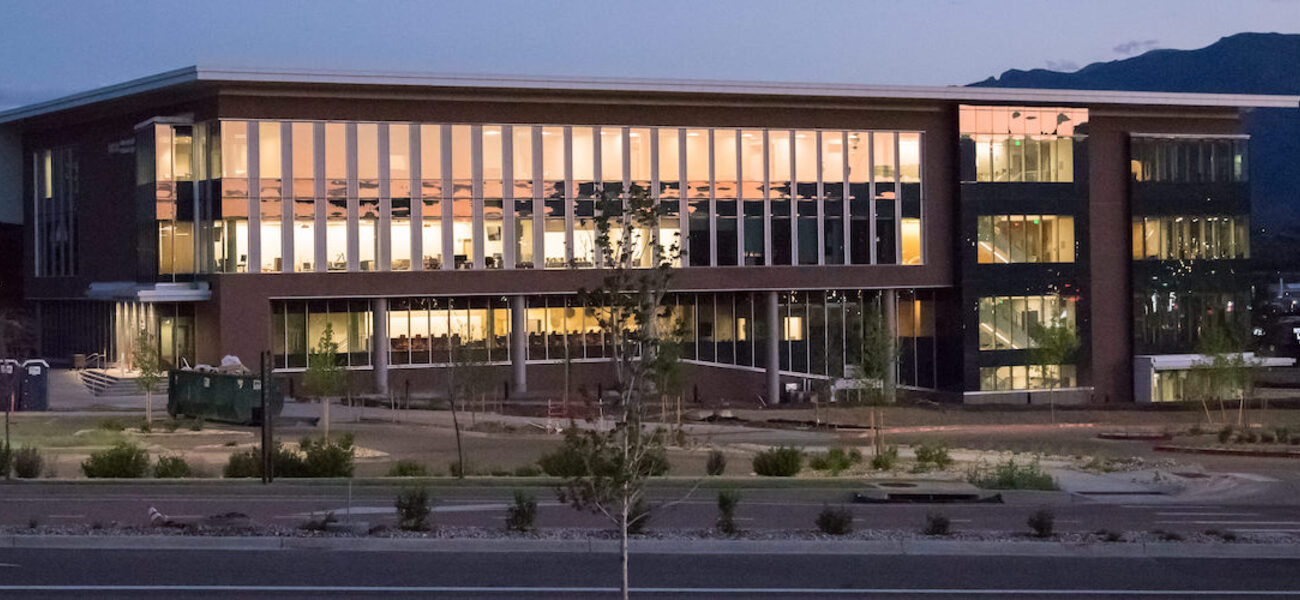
243,464
521,515
835,521
407,468
568,460
835,460
125,460
1267,437
717,463
1110,535
327,458
413,509
527,471
145,427
1042,522
171,425
728,500
886,459
778,462
197,425
1225,434
171,467
27,463
454,467
1283,435
6,459
936,523
1011,475
112,425
933,456
1168,536
638,518
320,524
1248,437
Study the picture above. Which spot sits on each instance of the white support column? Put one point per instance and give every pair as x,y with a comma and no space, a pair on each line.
519,344
320,258
384,235
417,201
354,202
253,262
287,258
773,349
379,345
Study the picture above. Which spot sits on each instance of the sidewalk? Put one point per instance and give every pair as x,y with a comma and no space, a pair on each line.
925,547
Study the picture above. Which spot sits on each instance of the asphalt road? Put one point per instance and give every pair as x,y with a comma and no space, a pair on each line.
290,504
345,574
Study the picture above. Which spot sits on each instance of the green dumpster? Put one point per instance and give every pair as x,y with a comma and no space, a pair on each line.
220,397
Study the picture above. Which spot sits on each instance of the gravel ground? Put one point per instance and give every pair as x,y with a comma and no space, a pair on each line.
384,531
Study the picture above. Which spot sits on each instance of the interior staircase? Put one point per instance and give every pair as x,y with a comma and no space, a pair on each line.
114,382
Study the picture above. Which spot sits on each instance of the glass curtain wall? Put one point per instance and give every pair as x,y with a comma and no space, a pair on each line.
1022,144
728,197
1007,239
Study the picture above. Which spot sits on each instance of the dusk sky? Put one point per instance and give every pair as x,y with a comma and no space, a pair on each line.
50,48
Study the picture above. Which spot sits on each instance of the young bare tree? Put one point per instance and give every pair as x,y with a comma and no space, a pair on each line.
149,368
1223,372
467,377
638,327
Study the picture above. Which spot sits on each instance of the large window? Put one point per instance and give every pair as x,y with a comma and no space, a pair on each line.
1189,159
370,196
1027,377
1022,143
1011,322
55,213
1189,237
1025,239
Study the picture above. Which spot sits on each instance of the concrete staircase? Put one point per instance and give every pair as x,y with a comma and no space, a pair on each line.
114,382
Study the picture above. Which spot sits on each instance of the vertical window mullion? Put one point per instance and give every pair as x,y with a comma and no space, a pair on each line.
509,241
448,214
821,200
354,202
383,236
570,195
254,262
415,161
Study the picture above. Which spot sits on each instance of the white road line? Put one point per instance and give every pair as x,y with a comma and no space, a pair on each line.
657,590
1205,514
67,516
1228,522
8,565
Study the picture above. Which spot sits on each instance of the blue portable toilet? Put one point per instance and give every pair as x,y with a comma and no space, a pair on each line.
34,392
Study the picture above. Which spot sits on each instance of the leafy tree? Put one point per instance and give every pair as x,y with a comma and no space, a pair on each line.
637,326
324,376
1223,371
1055,344
879,354
149,368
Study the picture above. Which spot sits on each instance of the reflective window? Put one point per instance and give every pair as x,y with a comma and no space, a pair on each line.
1022,144
272,207
303,175
1191,237
1189,160
1007,239
1010,322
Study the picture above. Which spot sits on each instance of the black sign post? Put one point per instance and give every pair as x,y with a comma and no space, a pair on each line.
267,476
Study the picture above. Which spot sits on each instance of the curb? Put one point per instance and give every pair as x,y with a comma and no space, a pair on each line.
657,546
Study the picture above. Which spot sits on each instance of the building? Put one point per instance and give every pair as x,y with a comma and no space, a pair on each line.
242,211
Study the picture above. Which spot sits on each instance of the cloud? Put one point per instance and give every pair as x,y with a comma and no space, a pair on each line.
1132,47
1063,65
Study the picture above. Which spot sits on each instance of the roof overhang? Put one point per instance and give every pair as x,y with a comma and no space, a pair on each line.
130,291
228,75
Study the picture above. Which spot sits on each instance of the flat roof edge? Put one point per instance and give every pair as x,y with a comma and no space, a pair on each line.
119,90
218,74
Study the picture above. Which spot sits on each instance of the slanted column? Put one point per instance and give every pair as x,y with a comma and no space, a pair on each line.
890,300
773,349
379,344
518,344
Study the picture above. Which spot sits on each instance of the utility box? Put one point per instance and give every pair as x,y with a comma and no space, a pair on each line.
34,392
11,372
221,397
